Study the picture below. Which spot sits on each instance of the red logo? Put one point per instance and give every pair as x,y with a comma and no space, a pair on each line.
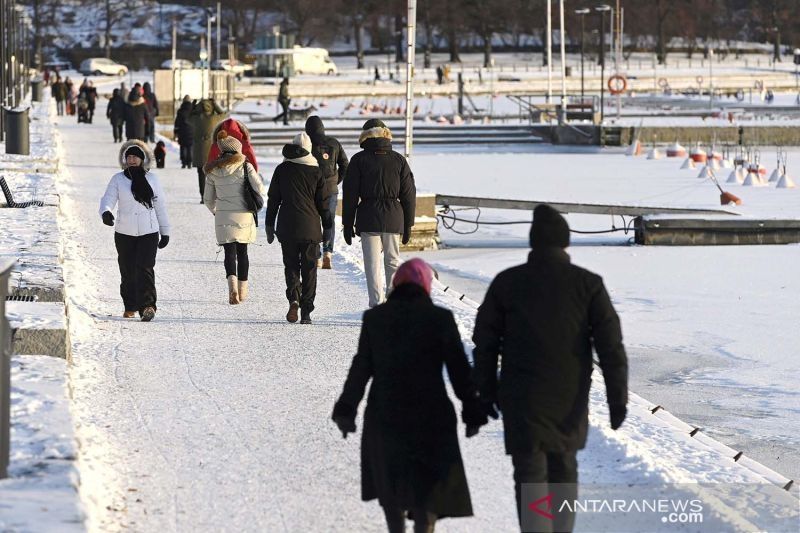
548,504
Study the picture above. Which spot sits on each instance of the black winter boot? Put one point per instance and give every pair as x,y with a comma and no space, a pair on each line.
305,317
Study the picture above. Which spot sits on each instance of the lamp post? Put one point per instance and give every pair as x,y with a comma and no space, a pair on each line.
203,59
603,9
582,12
711,78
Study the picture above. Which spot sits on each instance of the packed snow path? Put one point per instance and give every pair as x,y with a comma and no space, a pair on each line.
216,417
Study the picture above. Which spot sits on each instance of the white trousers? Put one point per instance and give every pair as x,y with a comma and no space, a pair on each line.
377,246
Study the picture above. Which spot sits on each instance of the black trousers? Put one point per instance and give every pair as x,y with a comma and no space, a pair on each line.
284,114
186,155
542,474
424,522
236,261
201,181
117,128
300,261
137,259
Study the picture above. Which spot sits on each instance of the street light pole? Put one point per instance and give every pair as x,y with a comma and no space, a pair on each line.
582,13
602,10
549,51
711,78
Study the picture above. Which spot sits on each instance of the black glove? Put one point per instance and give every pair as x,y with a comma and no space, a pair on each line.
471,431
108,218
616,413
270,234
473,415
406,235
345,424
163,242
348,234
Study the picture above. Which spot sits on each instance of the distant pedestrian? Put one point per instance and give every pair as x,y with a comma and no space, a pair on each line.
377,74
410,457
135,117
90,93
69,86
439,75
296,200
141,217
204,117
123,91
540,321
234,221
59,91
378,204
332,160
283,101
115,112
183,131
151,103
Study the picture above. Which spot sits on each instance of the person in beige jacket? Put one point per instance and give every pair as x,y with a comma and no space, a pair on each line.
234,222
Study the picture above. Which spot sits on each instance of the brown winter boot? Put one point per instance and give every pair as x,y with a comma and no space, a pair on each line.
233,290
129,314
291,316
242,290
327,262
148,314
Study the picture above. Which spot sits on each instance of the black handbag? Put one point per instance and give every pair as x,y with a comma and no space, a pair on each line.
254,201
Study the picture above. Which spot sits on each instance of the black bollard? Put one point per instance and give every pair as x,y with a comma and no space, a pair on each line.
17,131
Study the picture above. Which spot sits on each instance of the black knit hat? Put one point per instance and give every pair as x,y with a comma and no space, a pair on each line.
549,228
135,150
373,123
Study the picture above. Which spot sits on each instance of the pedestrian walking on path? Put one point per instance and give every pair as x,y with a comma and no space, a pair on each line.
283,101
183,131
141,217
333,161
296,199
238,131
205,116
541,319
59,91
151,104
410,458
116,114
225,196
135,117
379,201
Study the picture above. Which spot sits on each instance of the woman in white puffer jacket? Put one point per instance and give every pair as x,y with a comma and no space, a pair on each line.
141,217
234,222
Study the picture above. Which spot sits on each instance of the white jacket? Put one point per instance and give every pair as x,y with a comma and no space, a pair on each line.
134,218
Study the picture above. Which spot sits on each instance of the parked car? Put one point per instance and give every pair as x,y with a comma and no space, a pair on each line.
225,64
57,63
102,65
178,64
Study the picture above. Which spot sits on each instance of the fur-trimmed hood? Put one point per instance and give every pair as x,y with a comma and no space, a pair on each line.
229,162
148,153
375,133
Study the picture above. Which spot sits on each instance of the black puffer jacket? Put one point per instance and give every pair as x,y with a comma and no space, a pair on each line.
116,108
329,154
135,119
409,446
296,199
183,127
379,191
543,318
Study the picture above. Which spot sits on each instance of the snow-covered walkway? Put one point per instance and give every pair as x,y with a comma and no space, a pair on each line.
216,417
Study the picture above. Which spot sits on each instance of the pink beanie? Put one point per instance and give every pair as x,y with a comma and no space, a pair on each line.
414,271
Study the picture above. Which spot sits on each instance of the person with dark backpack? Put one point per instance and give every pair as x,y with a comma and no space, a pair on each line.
332,161
296,200
540,321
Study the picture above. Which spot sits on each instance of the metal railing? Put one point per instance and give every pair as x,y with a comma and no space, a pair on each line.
5,371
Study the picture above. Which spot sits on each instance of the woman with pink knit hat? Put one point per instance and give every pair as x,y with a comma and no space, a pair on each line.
234,220
410,457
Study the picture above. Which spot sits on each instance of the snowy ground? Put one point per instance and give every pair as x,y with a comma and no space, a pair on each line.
216,417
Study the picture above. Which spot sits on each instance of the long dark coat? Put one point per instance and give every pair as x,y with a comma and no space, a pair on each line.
205,116
135,119
296,199
543,317
410,456
379,191
116,109
183,128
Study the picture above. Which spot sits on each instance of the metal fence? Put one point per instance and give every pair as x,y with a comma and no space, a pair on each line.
5,371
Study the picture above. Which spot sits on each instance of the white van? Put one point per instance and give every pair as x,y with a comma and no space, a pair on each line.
290,61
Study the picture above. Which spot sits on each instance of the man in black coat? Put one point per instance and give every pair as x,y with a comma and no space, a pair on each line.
333,161
283,100
543,318
379,200
183,131
116,114
135,117
295,198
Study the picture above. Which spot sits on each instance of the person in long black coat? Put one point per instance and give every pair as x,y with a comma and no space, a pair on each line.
543,318
135,117
410,458
183,131
296,201
151,103
115,112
